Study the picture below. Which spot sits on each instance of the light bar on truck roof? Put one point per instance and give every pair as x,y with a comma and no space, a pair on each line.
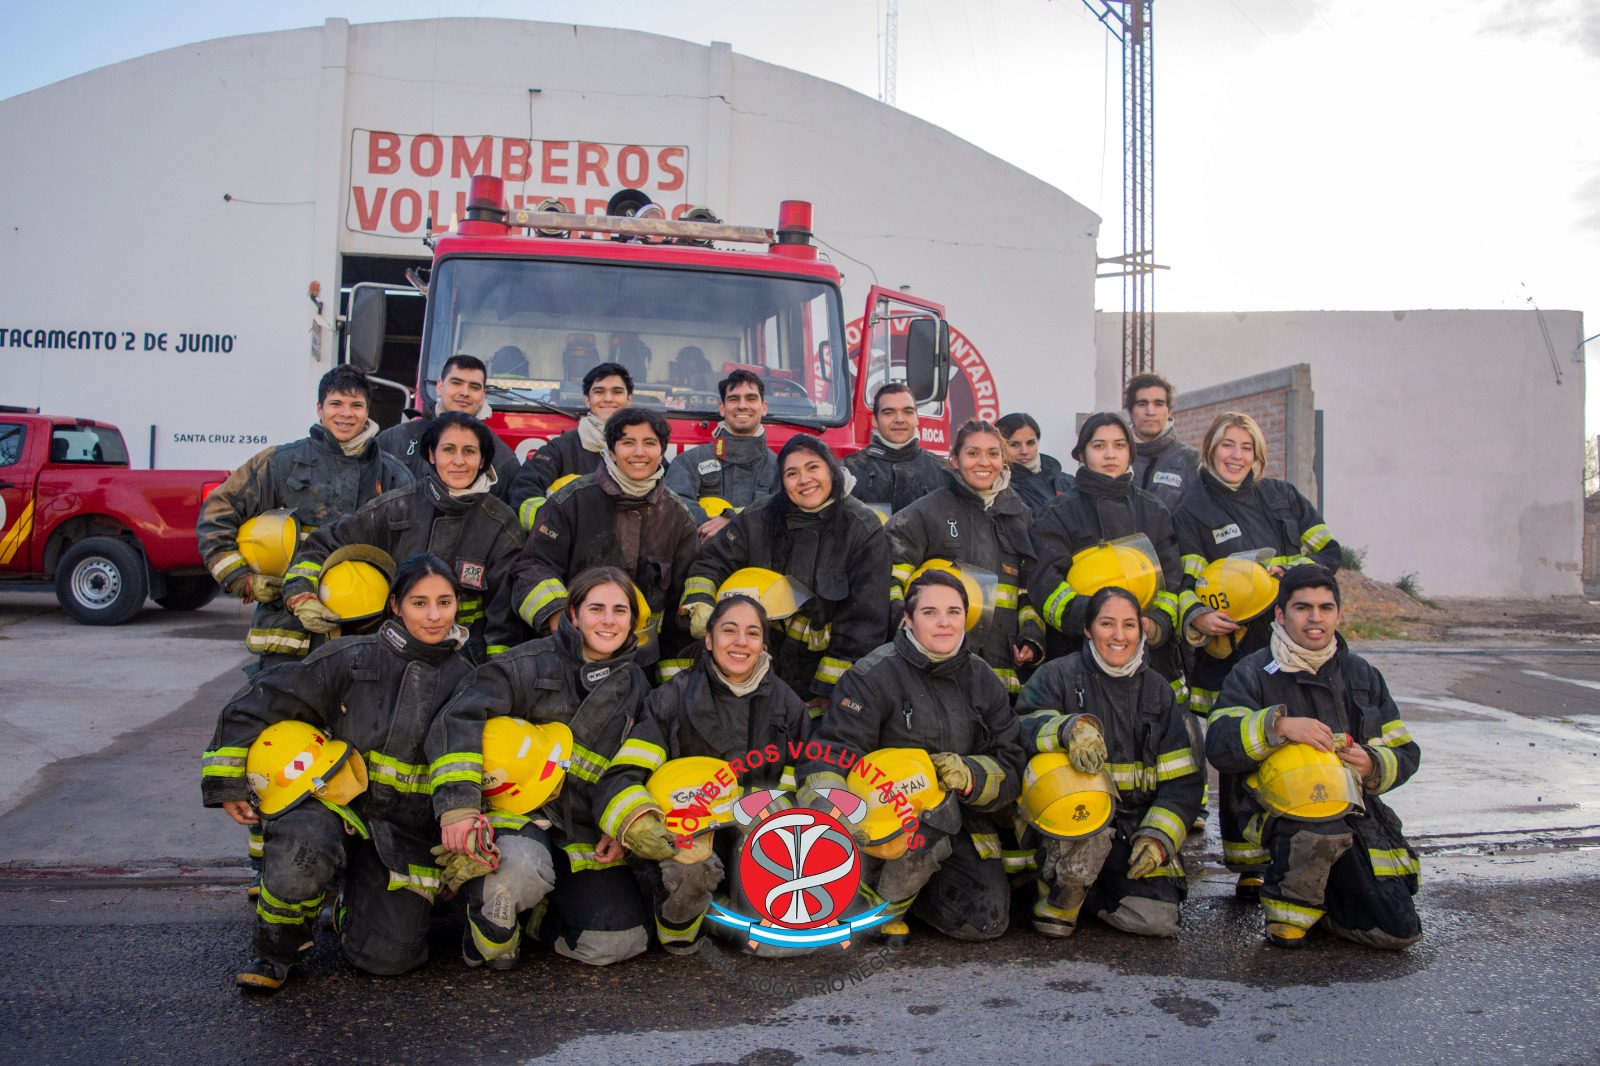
640,227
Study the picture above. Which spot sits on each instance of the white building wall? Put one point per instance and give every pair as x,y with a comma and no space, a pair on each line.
1449,447
112,193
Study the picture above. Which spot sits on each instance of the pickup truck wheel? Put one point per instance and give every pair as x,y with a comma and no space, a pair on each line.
101,582
189,593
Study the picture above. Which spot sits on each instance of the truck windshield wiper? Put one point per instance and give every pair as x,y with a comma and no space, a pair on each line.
516,394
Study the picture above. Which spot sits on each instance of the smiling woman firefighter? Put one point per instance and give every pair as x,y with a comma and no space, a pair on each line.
1112,782
1239,531
830,551
452,512
936,755
724,727
537,726
332,754
978,525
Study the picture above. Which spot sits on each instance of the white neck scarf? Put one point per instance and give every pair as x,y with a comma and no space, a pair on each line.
592,432
879,439
725,430
746,687
358,443
631,486
1036,465
486,481
1127,669
1292,658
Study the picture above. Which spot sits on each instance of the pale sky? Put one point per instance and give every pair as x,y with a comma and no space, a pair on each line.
1310,154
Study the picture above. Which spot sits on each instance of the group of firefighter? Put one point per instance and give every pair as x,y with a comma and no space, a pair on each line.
566,690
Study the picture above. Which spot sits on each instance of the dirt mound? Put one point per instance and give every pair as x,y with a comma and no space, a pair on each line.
1366,600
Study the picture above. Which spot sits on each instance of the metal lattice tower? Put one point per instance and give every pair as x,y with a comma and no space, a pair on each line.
1129,23
891,33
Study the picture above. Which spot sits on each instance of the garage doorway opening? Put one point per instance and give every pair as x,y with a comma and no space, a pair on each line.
394,395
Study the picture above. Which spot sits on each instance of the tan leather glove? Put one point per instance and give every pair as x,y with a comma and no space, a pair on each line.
1086,747
698,614
456,868
1147,858
953,773
647,837
264,588
314,614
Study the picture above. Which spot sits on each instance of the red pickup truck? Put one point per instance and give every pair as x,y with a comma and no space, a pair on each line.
109,537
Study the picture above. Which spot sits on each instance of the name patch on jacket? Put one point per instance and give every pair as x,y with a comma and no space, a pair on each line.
1167,477
593,675
472,575
1227,532
545,530
711,466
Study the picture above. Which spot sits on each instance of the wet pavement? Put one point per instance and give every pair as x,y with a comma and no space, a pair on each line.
122,919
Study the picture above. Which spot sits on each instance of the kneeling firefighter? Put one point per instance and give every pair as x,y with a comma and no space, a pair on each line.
1310,739
331,754
1113,782
726,722
560,877
927,692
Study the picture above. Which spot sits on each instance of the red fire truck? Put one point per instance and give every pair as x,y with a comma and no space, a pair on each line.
543,295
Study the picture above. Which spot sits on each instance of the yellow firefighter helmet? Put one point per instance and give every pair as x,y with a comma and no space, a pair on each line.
897,784
696,794
1302,782
641,621
564,479
524,764
355,582
716,507
268,541
778,595
1063,802
1238,586
292,760
1127,562
982,587
882,510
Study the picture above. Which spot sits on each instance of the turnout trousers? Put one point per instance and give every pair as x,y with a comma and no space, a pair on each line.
304,851
593,915
1093,872
1322,871
945,882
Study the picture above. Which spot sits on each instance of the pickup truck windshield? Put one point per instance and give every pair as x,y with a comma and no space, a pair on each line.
87,444
541,325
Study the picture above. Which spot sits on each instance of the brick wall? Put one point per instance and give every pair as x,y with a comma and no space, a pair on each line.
1270,409
1281,402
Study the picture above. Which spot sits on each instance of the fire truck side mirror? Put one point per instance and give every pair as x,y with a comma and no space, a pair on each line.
927,359
365,327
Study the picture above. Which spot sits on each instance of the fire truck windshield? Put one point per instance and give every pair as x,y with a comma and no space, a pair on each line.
540,325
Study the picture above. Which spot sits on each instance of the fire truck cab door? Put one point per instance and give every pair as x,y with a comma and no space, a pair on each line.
905,338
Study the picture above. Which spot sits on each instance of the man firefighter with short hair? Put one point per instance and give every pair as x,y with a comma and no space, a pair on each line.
735,469
607,389
1313,726
460,387
893,470
330,473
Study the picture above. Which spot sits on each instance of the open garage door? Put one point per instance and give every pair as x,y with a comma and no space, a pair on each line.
402,342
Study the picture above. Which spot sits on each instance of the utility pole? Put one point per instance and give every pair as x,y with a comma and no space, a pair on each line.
1129,23
891,33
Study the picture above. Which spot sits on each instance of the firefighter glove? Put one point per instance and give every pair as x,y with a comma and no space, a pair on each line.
264,588
648,838
699,615
1147,857
1086,747
953,773
314,614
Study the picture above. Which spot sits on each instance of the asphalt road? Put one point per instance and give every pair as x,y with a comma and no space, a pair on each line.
122,919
